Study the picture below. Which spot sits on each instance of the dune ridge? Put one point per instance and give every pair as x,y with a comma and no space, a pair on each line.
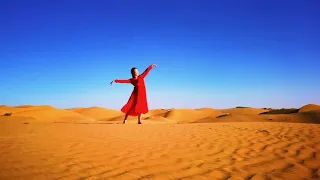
306,114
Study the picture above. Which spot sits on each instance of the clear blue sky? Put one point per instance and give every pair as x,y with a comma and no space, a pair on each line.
211,53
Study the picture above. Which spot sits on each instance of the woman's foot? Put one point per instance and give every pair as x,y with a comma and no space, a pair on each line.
125,118
139,119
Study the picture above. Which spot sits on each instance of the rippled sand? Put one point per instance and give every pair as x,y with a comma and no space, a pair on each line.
235,150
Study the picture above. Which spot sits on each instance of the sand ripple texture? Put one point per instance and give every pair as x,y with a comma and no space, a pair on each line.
244,150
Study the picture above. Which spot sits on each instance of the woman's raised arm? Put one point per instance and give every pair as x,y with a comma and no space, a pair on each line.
146,72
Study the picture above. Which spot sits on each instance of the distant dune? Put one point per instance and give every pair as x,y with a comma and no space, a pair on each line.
97,113
244,111
306,114
44,114
25,108
309,108
296,118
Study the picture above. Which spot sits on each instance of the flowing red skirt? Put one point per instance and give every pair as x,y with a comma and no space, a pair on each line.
137,103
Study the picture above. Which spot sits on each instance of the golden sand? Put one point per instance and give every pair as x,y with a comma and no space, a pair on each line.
88,143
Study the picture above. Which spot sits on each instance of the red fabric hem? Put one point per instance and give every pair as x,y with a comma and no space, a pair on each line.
133,113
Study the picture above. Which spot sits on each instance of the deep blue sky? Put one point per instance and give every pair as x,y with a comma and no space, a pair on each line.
219,54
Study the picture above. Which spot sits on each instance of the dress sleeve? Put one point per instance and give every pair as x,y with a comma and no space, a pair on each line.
146,72
127,81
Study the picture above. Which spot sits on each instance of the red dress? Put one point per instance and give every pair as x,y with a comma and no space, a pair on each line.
137,103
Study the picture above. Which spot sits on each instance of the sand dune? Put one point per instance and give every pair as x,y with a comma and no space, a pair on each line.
244,111
188,115
171,116
15,119
44,114
252,150
97,113
296,118
281,111
54,115
306,114
309,108
156,113
23,108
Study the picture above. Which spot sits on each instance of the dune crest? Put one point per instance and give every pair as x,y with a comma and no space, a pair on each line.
309,108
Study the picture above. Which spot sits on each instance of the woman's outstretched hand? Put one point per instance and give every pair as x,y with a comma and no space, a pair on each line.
112,82
154,65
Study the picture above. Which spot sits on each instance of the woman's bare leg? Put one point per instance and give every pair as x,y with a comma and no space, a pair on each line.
139,119
125,118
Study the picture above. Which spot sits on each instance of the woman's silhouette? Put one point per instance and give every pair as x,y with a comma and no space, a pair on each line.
137,103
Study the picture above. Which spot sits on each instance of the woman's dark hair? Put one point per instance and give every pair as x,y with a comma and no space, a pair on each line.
132,71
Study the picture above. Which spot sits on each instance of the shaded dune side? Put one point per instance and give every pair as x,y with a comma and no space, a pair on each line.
244,111
281,111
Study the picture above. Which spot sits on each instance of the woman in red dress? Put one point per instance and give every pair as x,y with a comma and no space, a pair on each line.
137,103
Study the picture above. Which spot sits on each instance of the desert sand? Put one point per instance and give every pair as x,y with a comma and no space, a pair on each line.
43,142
